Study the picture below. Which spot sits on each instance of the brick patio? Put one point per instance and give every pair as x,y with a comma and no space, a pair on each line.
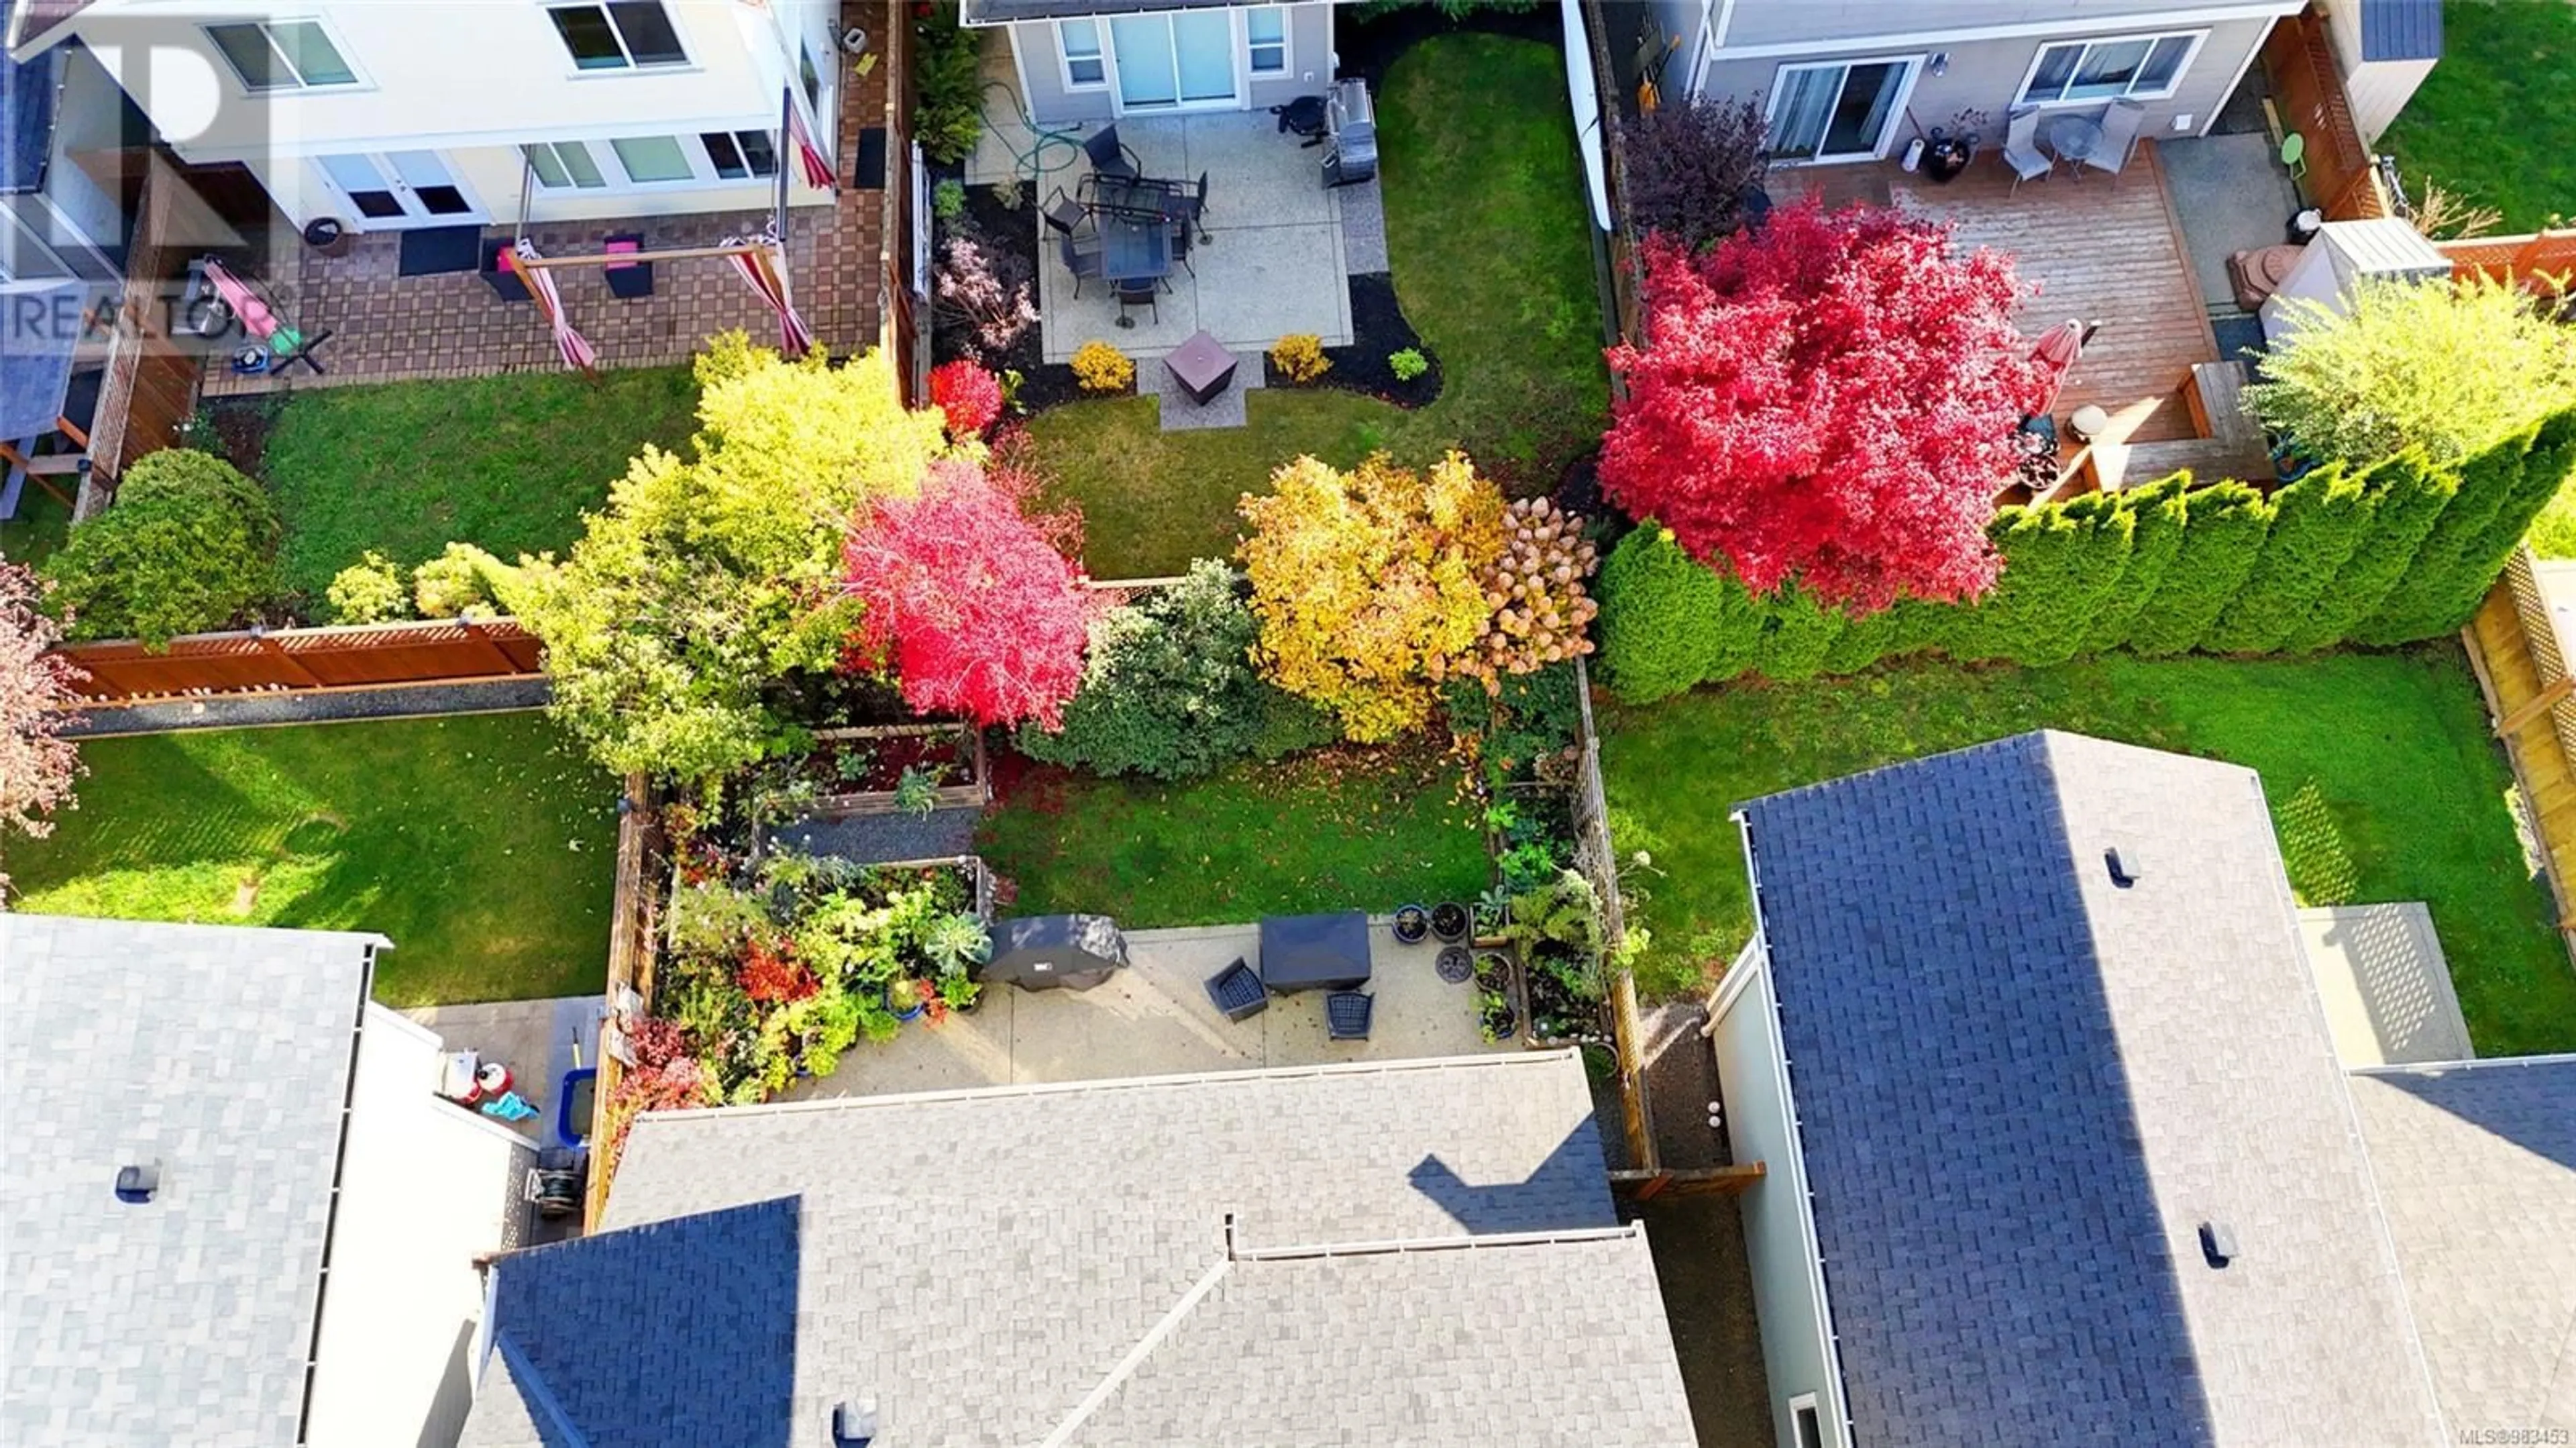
389,328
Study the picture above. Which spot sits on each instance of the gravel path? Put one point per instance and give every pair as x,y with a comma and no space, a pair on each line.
235,711
879,838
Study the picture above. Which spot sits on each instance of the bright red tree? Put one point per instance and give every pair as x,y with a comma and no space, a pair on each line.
1830,400
969,396
970,601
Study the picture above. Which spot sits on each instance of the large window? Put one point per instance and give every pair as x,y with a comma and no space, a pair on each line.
564,165
619,35
1078,41
1265,39
651,160
279,55
740,155
705,159
2141,67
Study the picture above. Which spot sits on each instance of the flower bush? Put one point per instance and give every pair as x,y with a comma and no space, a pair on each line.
1300,357
1541,612
986,294
967,395
371,590
37,765
1100,367
1690,166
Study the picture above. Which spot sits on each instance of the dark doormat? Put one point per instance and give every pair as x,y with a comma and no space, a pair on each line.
2239,336
437,249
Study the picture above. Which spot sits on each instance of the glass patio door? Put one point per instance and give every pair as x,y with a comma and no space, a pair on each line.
393,189
1838,111
1170,61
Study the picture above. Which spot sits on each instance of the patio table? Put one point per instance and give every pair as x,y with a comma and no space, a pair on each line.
2072,138
1315,952
1133,250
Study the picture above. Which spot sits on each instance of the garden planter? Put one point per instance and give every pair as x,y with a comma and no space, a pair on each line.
901,1012
1449,921
1412,924
1456,964
1947,156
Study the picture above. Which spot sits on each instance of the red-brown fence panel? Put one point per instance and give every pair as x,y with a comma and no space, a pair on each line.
428,652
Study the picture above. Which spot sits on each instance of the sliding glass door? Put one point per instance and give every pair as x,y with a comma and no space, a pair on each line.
1839,110
1169,62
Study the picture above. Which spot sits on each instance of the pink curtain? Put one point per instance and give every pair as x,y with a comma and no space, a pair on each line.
809,157
575,348
764,265
254,315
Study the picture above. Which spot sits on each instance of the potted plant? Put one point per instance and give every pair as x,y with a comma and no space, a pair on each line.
906,998
1449,921
1950,148
1412,923
1495,1019
1455,964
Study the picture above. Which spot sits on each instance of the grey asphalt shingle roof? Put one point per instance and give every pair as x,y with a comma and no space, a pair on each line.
981,1262
2401,29
2021,1089
2477,1172
224,1053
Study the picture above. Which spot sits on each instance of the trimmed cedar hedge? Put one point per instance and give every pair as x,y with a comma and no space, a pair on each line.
2387,555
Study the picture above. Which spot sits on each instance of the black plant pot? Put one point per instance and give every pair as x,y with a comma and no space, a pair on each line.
1944,160
1455,964
1412,923
1449,921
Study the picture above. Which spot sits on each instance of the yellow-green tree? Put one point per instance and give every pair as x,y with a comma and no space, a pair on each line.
1367,584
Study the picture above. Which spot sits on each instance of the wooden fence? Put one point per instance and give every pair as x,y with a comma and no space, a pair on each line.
1599,861
2298,60
2542,254
260,661
2521,653
900,310
631,927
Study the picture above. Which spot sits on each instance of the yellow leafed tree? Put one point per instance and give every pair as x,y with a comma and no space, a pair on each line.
1366,584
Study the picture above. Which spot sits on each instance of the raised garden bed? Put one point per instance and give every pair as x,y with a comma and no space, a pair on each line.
885,768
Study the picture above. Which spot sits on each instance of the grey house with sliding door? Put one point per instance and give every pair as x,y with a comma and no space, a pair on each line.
2061,1149
1103,60
1856,80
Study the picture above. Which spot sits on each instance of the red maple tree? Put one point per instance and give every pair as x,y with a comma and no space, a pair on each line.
1830,400
969,599
967,395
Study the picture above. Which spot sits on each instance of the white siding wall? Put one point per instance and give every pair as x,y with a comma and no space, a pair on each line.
1776,22
2380,89
1777,1238
1310,70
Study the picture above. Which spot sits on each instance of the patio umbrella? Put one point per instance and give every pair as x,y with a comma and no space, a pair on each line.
253,314
809,157
1055,952
2058,349
764,265
575,348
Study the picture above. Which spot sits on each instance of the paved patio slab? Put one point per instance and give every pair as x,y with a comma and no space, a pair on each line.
535,1039
1154,1019
2232,195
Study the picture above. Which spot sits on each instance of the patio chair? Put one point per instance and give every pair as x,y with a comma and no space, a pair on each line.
1078,259
1237,993
1143,292
1198,206
1063,213
628,280
1109,158
1346,1015
2021,147
1181,245
2119,137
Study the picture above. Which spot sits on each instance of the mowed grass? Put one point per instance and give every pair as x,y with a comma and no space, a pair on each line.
39,531
2493,123
507,463
1489,240
2383,781
483,846
1338,829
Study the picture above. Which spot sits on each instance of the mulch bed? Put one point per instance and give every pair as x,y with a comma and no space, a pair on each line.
240,427
1379,331
1008,237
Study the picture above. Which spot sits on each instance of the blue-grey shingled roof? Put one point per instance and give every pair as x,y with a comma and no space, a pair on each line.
1002,1266
2022,1087
2401,29
26,121
224,1054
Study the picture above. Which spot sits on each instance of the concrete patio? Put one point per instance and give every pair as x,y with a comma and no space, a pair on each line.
1154,1019
536,1039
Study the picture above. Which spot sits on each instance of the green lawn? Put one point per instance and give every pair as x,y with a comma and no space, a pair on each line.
1487,231
1334,830
506,462
41,527
482,846
2382,777
2493,123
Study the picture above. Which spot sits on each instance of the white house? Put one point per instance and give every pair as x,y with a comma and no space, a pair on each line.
1082,60
389,116
1854,80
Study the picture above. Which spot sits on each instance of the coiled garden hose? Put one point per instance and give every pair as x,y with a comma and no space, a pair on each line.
1033,162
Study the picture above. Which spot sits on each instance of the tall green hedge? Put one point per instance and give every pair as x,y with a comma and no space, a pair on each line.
2401,551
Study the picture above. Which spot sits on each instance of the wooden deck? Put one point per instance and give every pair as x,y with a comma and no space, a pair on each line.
2103,253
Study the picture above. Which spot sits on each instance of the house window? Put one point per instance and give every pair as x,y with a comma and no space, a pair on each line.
619,35
1802,1412
1078,41
810,75
652,159
1265,36
2140,67
740,155
282,54
561,165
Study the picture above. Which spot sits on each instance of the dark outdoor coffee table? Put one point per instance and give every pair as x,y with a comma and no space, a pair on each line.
1201,366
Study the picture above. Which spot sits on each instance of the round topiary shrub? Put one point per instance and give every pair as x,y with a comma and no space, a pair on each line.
190,546
370,590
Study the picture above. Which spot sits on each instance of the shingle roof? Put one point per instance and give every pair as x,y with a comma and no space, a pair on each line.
224,1053
2401,29
2022,1088
982,1264
2477,1171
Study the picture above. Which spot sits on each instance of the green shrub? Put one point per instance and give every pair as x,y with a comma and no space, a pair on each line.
370,590
2223,531
1408,364
948,76
191,545
1170,690
1799,634
456,582
2158,511
1668,622
2404,498
2060,566
2317,522
2460,557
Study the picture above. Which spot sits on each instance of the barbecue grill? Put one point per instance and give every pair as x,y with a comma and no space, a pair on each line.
1350,121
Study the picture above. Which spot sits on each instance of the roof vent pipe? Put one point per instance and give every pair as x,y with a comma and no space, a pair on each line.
137,1181
2124,865
2217,1243
854,1425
